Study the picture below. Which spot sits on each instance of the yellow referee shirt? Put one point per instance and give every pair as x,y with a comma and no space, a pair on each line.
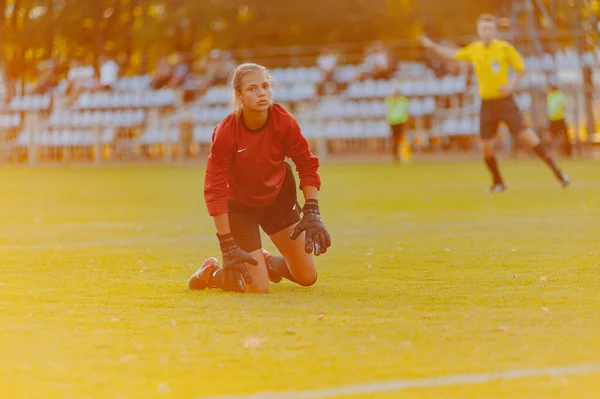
491,65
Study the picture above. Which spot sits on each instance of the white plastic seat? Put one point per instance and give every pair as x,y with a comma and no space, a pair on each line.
354,90
464,126
428,105
370,89
547,61
332,129
449,127
589,59
384,88
475,124
415,107
356,129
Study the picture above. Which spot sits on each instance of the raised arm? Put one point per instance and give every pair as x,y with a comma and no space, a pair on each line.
446,52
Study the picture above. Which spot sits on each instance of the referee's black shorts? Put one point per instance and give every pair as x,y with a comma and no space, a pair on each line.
500,110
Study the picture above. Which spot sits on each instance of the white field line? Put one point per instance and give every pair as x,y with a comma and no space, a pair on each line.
154,240
429,382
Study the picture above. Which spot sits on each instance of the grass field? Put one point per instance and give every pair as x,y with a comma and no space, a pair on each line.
428,276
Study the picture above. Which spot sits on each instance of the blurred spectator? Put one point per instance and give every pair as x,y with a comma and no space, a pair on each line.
179,73
216,70
162,75
220,66
327,62
48,79
397,115
377,63
109,73
186,129
80,78
557,126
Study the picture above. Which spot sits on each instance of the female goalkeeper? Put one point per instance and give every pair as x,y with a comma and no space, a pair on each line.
249,186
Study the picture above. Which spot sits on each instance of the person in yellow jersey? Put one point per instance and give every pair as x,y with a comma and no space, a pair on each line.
491,59
396,116
556,114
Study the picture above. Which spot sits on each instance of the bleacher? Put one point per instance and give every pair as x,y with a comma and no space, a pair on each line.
143,118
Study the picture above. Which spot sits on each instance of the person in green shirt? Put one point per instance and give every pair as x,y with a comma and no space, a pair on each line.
557,126
396,116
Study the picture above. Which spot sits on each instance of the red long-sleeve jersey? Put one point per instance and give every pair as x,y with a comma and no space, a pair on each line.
248,165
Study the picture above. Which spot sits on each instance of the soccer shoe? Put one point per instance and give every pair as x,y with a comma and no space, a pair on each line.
498,188
564,180
273,275
201,279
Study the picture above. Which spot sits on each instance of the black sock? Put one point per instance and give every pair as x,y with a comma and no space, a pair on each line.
278,265
492,165
541,152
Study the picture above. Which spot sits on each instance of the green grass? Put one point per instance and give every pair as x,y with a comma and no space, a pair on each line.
428,275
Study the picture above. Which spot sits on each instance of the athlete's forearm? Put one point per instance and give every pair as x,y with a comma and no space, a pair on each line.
310,192
444,51
222,223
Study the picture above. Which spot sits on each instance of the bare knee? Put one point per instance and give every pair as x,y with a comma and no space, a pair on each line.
487,149
306,278
307,282
529,137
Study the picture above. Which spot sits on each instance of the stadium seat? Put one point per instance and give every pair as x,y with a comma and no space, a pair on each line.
202,133
30,103
378,109
430,87
345,73
276,74
589,59
532,63
475,124
409,88
370,89
415,107
445,86
336,110
351,109
23,139
382,128
547,61
332,129
384,88
428,105
356,129
464,126
361,109
289,76
355,90
448,127
524,101
314,75
308,130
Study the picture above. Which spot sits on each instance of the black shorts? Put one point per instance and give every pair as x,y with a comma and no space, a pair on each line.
501,110
397,131
558,129
244,221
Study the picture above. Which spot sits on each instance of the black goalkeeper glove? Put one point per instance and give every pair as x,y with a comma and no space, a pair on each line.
317,237
234,269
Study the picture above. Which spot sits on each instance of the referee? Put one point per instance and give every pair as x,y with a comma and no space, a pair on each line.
491,59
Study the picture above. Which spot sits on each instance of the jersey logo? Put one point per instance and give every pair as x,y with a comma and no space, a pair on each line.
495,66
242,150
